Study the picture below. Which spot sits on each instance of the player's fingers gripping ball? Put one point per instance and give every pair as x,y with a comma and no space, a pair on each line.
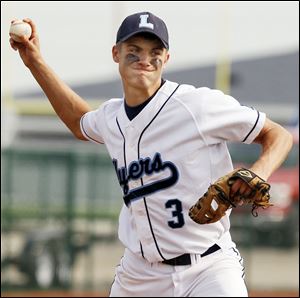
18,29
218,198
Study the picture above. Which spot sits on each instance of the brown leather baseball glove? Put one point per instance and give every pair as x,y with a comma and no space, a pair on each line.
218,198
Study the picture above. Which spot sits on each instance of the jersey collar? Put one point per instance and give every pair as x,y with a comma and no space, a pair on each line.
149,111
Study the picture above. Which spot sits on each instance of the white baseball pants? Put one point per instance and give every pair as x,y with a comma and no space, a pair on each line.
220,274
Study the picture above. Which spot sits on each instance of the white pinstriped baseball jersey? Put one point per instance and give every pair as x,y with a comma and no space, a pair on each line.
165,159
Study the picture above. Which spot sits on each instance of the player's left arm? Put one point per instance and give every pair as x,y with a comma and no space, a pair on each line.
276,142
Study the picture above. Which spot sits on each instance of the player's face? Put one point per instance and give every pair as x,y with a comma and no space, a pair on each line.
141,61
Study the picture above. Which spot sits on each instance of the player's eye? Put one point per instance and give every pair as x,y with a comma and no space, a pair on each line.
157,53
133,49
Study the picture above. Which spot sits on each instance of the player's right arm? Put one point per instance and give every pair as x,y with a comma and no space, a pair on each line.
68,105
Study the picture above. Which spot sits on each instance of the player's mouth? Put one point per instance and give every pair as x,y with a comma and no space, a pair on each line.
143,72
139,69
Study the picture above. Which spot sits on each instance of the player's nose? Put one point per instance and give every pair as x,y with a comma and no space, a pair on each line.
144,59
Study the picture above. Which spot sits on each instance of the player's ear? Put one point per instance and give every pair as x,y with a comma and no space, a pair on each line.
166,58
115,53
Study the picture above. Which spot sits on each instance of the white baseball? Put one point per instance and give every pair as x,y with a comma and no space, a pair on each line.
19,28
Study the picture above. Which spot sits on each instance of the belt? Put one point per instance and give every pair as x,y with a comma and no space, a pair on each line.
185,259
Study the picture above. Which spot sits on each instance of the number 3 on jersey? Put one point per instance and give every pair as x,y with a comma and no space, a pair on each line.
178,221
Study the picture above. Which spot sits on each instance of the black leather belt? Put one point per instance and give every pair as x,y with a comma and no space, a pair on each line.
185,259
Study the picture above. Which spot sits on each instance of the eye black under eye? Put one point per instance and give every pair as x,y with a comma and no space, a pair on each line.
130,55
132,58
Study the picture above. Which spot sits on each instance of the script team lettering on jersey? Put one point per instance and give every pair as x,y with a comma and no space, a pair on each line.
145,166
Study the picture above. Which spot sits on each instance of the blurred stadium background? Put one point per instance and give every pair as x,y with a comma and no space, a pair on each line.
60,198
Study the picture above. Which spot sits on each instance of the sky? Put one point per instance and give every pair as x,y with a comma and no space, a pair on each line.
76,37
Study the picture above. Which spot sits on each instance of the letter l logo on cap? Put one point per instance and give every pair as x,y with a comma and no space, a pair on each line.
144,22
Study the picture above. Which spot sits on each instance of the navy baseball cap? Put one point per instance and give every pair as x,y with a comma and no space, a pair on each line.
143,22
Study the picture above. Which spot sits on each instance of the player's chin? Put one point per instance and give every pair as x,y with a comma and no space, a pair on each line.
143,80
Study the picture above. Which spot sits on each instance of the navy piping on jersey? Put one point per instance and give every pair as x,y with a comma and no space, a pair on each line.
86,134
144,199
252,128
124,156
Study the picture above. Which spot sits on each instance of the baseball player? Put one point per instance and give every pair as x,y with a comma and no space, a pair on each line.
167,142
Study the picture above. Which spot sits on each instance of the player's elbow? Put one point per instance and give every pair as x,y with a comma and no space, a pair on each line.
79,135
285,136
74,127
278,136
289,139
273,132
